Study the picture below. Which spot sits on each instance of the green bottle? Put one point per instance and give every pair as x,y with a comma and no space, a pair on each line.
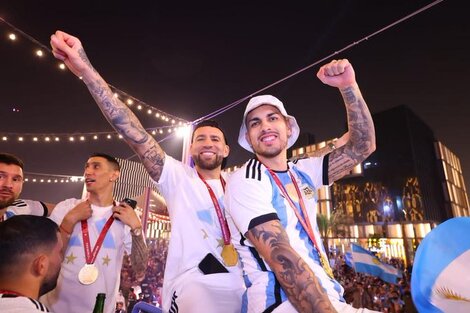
99,304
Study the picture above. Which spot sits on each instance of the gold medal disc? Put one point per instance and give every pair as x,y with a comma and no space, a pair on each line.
88,274
229,254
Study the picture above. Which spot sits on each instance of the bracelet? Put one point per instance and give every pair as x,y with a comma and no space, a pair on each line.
65,230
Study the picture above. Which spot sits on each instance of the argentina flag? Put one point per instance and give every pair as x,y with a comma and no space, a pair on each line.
367,263
440,280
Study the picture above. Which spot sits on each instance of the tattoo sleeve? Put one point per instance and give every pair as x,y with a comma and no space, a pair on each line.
361,141
125,123
296,278
139,255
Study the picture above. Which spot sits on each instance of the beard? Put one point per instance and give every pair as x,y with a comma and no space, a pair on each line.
4,203
49,283
208,164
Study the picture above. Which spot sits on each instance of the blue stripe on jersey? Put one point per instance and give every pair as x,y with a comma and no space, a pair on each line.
271,293
305,179
277,201
9,214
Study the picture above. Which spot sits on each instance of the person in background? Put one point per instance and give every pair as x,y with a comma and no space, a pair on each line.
97,231
30,262
11,185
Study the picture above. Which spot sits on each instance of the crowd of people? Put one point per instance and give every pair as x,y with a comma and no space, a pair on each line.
147,288
366,291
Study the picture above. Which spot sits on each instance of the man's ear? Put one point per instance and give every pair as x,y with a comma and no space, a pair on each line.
115,175
226,151
289,128
40,265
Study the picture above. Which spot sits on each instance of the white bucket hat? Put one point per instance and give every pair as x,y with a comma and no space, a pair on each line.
270,100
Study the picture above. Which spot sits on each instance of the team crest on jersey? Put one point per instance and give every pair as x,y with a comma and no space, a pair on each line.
307,191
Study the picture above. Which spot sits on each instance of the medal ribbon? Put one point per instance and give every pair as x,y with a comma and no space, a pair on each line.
304,221
90,256
218,210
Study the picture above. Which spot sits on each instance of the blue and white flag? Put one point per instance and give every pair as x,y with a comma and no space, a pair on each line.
348,259
366,262
440,280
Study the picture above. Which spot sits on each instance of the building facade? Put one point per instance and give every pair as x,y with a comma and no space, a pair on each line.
411,183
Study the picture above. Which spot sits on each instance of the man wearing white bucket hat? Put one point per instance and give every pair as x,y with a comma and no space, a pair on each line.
271,202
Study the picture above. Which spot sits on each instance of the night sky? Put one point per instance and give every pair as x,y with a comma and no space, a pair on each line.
192,59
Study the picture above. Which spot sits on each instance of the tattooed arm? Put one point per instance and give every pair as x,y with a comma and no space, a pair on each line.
295,276
70,50
361,131
139,255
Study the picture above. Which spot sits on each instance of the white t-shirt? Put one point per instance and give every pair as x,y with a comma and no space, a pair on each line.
25,207
252,198
70,295
18,304
195,230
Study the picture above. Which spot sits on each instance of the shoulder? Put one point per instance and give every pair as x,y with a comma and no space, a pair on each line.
251,171
67,203
17,304
304,161
62,208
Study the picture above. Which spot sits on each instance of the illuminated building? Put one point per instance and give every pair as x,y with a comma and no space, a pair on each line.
411,183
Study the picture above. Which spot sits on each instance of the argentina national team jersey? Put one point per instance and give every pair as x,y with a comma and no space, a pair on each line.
253,198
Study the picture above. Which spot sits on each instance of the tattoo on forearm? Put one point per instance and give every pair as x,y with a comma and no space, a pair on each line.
296,278
128,126
361,136
139,254
153,160
83,56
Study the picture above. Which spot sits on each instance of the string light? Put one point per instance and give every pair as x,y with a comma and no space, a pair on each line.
31,177
75,137
117,93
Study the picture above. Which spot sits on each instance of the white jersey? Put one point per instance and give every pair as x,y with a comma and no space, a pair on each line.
252,198
19,304
195,232
25,207
70,295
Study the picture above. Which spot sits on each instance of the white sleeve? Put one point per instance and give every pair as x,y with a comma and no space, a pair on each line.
172,173
316,168
61,209
30,207
248,202
128,239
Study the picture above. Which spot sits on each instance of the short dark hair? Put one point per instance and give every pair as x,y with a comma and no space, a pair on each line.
23,234
109,158
9,159
215,124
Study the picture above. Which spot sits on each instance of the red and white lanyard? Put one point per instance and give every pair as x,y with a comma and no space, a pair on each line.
218,210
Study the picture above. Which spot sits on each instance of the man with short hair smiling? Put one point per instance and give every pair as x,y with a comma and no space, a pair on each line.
271,202
202,264
11,185
30,259
96,233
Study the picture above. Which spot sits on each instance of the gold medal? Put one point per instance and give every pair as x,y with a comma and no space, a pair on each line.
326,265
229,255
88,274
